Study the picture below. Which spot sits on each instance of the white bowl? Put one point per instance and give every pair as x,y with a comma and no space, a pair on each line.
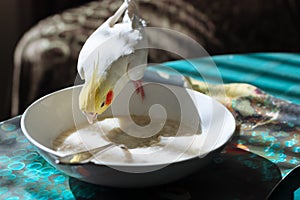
55,113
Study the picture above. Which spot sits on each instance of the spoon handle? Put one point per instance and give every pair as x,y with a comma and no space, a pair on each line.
84,156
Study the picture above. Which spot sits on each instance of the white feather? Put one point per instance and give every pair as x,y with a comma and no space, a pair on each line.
107,44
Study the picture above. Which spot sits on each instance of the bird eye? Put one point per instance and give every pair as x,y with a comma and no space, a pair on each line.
102,104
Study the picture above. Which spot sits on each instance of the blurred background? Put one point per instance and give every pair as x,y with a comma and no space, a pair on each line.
18,16
46,47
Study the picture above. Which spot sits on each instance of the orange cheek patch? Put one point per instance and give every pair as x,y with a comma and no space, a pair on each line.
109,97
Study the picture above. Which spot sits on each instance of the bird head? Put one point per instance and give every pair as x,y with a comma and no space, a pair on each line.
96,95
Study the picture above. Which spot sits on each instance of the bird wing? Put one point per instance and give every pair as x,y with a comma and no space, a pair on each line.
111,41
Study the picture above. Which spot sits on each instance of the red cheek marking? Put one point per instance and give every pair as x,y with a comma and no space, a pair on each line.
109,97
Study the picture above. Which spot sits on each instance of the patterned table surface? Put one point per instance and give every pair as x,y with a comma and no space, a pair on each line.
24,174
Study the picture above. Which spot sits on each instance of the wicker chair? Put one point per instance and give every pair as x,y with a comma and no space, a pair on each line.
46,56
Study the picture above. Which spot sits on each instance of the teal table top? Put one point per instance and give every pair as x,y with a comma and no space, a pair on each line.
24,174
275,73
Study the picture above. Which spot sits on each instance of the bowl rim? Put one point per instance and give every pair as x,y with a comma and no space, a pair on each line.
24,115
53,153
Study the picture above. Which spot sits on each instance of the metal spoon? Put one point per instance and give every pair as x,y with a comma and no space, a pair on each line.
84,156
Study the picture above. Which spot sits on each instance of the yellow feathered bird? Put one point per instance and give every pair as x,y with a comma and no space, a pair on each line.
113,53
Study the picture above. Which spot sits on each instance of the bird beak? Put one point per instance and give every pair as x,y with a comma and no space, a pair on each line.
91,117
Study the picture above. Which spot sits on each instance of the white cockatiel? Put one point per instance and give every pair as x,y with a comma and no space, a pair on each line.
115,53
